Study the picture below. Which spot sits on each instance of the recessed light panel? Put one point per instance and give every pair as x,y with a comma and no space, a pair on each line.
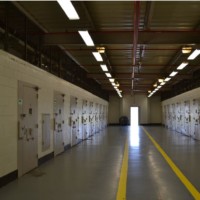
86,37
69,9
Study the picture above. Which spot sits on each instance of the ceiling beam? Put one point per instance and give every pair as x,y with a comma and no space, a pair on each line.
143,65
136,28
137,76
135,36
128,92
126,37
122,49
148,14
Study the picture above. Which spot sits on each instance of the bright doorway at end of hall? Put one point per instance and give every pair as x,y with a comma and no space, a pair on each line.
134,111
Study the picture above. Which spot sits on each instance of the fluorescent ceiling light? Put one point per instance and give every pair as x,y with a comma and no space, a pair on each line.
159,86
104,68
149,91
112,80
117,84
86,37
167,79
160,80
182,65
194,54
97,56
186,50
115,87
101,49
108,75
69,9
173,73
155,85
163,83
113,84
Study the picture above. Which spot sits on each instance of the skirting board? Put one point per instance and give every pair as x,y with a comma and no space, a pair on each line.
8,178
45,158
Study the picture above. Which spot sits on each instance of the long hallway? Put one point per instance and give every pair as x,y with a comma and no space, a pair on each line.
91,170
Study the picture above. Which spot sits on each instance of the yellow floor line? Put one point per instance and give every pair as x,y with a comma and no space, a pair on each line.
194,192
121,193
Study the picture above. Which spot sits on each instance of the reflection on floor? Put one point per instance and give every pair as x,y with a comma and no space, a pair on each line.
91,170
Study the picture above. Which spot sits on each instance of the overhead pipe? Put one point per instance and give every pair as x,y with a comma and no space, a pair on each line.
135,35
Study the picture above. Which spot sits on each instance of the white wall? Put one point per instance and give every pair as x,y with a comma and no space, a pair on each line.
155,110
13,69
114,109
192,94
149,108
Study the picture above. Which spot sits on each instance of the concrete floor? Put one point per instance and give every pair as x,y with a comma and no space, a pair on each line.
91,170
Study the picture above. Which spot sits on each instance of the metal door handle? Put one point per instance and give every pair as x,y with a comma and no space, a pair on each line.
54,124
18,126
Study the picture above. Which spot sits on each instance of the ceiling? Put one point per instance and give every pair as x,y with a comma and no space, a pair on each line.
142,40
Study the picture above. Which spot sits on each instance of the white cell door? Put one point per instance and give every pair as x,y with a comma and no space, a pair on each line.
187,120
58,123
178,117
90,119
27,128
84,119
173,117
74,121
196,119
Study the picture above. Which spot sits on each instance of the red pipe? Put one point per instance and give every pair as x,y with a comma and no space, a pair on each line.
136,27
135,35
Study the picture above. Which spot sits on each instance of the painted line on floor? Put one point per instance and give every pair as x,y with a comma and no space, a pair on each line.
194,192
121,193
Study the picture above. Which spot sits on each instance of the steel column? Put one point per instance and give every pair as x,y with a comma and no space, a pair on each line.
6,42
51,66
39,52
25,38
135,36
60,64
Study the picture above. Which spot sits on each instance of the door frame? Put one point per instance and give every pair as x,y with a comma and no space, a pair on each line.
56,93
20,149
138,108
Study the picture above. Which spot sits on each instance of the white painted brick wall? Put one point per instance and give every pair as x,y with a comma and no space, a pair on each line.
13,69
190,95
